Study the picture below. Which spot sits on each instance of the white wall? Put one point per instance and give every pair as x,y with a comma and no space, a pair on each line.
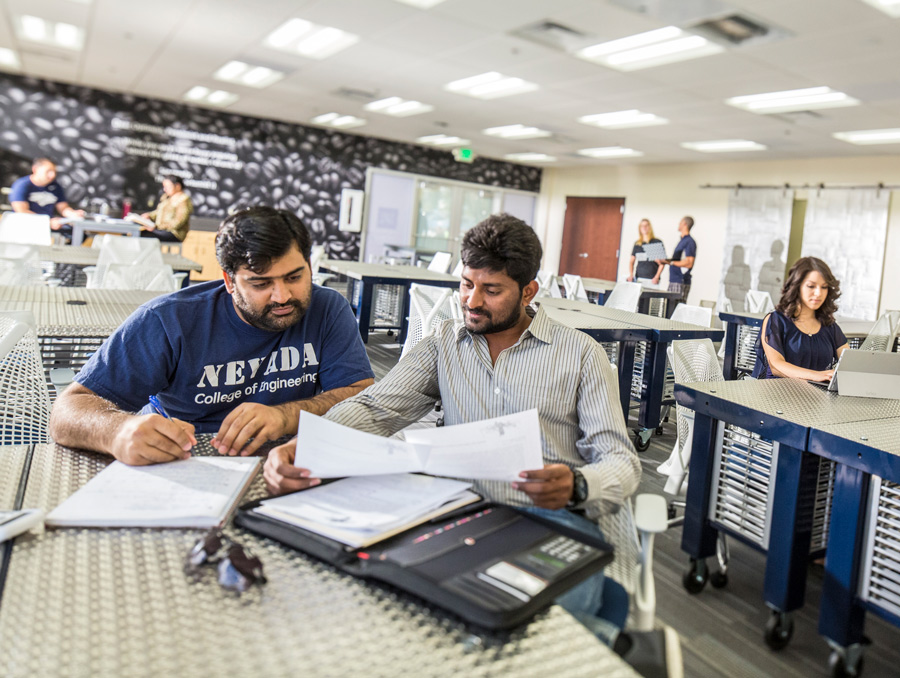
666,193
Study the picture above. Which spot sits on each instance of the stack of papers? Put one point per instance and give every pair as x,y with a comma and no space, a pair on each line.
363,510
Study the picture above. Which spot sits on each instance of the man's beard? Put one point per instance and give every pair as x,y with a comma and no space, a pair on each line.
264,319
499,325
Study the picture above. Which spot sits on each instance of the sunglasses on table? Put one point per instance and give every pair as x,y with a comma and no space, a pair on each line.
238,568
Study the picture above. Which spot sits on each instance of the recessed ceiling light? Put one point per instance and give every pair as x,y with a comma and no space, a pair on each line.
442,140
398,107
298,36
54,33
889,7
216,97
653,48
338,121
622,119
9,59
723,146
866,137
516,132
246,74
491,85
792,100
610,152
422,4
530,157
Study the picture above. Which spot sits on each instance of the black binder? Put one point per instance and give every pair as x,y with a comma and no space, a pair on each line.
495,567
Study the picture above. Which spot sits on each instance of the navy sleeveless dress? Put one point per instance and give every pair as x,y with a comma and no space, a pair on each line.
814,352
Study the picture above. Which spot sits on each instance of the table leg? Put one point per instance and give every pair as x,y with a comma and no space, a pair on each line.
654,379
728,369
404,316
77,234
698,537
626,370
841,614
364,310
790,530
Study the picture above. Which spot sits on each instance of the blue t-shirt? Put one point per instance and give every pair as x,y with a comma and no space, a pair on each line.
814,352
40,199
193,350
687,247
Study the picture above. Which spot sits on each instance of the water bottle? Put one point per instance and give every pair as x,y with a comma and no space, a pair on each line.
126,207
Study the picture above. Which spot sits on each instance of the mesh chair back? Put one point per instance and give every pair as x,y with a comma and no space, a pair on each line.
574,287
881,336
547,286
316,254
135,277
440,262
758,301
137,251
28,229
695,315
20,265
625,296
24,399
457,270
429,306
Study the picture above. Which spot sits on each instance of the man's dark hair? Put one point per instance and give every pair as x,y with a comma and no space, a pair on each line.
689,222
175,179
255,236
503,243
790,301
42,161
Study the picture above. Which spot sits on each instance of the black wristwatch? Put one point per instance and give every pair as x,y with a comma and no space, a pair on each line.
579,489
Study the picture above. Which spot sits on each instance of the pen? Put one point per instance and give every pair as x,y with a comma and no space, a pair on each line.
157,407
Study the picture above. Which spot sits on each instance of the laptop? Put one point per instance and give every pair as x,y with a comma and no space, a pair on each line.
866,374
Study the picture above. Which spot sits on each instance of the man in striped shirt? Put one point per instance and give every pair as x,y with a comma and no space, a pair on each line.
506,358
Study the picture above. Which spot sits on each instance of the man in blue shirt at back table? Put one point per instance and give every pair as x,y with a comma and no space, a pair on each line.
238,358
682,260
40,193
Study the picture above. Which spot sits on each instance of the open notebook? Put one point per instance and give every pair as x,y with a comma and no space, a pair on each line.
198,492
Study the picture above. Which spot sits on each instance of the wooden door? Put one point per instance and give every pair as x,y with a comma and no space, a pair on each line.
591,236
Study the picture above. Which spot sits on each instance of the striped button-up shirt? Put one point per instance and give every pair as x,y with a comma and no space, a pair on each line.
561,372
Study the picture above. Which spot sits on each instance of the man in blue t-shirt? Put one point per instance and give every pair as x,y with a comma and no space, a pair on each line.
682,260
239,358
40,193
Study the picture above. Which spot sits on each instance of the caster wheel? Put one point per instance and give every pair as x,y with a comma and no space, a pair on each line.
659,430
837,664
718,579
640,444
694,579
671,513
390,333
779,630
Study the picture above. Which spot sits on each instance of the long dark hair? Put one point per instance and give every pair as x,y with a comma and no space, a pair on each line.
789,304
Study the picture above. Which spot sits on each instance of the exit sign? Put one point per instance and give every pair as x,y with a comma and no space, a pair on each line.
464,154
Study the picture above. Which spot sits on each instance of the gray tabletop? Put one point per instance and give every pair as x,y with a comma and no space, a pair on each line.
116,602
624,317
359,270
577,319
87,256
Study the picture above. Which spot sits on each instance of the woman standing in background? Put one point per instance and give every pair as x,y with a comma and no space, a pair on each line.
648,271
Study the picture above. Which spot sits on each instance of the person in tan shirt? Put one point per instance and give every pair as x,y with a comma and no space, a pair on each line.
172,216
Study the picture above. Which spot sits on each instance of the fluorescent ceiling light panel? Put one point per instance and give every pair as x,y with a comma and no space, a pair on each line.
338,120
516,132
653,48
610,152
242,73
9,59
421,4
442,140
622,119
530,157
889,7
398,107
866,137
204,95
723,146
490,85
792,100
298,36
54,33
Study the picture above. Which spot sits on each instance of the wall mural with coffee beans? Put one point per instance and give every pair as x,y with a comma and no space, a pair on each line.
114,147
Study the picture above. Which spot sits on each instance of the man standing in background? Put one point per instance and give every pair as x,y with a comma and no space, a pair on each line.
40,193
682,260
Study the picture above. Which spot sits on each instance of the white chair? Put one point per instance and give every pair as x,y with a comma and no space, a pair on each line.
20,264
429,306
695,315
27,229
625,296
316,255
137,277
457,270
881,336
24,396
758,301
574,287
115,249
547,285
440,262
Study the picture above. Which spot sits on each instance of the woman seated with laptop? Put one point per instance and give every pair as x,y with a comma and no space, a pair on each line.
800,339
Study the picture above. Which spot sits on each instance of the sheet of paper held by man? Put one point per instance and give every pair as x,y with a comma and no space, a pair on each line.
492,449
